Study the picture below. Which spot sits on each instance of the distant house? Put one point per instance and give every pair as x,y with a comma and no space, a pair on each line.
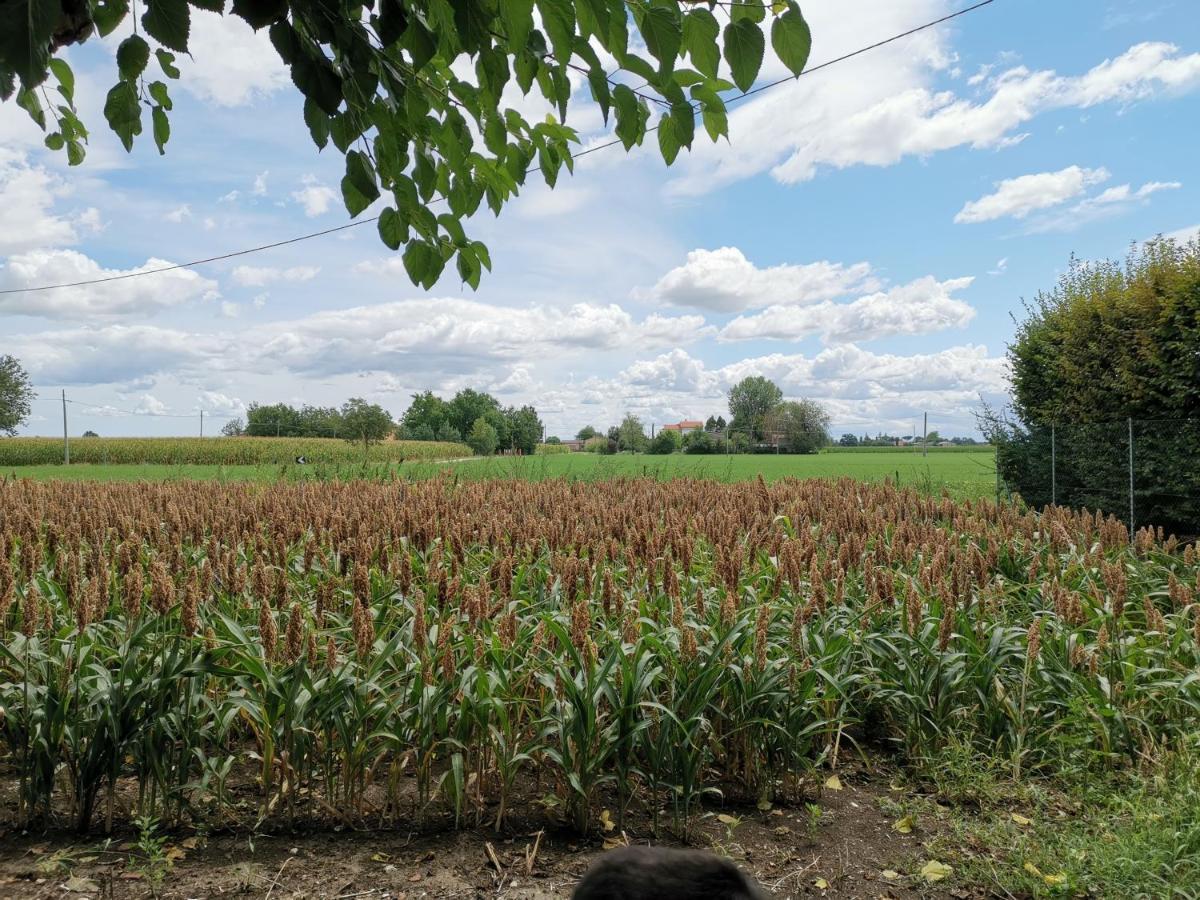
574,446
685,426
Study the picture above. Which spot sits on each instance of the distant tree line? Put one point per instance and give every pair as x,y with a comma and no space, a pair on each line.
474,417
762,421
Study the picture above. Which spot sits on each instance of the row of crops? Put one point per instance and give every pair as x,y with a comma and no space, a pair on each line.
366,653
234,451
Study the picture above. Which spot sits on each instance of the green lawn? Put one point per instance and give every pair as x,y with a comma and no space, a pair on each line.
969,473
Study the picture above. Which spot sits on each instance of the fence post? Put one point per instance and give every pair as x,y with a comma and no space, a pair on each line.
1129,421
66,440
1053,467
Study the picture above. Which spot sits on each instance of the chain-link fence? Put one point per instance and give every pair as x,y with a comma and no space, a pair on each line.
1144,471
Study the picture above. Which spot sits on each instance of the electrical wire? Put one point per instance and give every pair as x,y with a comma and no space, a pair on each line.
594,149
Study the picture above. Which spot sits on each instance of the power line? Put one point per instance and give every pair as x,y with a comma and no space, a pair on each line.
603,146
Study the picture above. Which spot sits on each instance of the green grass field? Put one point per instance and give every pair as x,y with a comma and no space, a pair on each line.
962,473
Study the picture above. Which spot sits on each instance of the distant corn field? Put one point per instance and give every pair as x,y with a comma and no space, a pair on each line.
217,451
364,653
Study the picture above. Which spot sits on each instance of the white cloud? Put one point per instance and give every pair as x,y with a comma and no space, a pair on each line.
1111,202
1018,197
116,353
220,405
260,184
27,197
389,266
149,405
314,196
1183,235
230,310
260,276
922,306
1001,266
882,107
178,214
128,297
229,64
724,280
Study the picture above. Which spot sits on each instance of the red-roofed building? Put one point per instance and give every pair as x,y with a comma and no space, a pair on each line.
685,426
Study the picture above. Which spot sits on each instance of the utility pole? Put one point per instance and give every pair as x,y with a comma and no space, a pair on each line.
201,423
66,440
925,436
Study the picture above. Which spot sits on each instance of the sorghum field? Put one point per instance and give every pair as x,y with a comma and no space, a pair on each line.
610,656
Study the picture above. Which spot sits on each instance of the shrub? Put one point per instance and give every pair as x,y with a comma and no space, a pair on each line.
1110,343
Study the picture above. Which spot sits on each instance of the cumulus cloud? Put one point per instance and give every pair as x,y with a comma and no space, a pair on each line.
116,353
230,64
458,335
179,213
882,107
27,197
314,196
857,386
923,306
1018,197
724,280
219,404
260,276
129,297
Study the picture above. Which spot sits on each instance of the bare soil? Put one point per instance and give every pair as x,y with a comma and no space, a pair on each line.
852,850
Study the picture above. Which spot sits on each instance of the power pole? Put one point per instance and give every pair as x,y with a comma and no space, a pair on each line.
201,423
925,436
66,440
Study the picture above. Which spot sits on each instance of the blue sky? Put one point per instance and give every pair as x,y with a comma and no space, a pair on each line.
864,238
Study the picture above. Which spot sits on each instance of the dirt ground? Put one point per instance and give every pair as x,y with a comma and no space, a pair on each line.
851,850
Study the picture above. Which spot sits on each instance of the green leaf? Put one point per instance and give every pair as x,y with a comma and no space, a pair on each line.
166,62
66,78
108,14
419,43
668,140
663,33
28,101
517,18
26,29
158,93
631,116
393,230
162,128
124,113
750,10
132,56
423,262
55,141
700,30
558,18
260,13
791,39
168,22
359,189
75,153
744,48
468,267
318,81
391,21
600,92
317,122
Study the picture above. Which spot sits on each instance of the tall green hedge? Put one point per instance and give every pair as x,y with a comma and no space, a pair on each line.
1111,342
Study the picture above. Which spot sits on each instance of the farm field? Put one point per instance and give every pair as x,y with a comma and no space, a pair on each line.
840,683
216,451
963,474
